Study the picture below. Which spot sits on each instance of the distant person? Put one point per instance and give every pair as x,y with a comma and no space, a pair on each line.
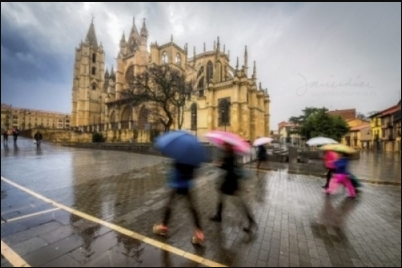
5,136
16,133
262,156
38,138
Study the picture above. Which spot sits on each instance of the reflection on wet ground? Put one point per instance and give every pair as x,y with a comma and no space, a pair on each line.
298,224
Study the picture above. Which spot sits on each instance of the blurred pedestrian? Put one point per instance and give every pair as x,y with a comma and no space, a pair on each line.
262,156
181,182
330,158
5,136
38,138
16,133
230,187
341,176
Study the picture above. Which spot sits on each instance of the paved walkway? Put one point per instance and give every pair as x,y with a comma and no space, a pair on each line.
105,203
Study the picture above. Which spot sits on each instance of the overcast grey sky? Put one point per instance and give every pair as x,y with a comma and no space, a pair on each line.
337,55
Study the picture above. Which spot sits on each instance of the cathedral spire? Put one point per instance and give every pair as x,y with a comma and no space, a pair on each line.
219,44
107,75
134,28
91,35
144,30
205,48
123,39
171,38
194,53
255,71
246,61
237,63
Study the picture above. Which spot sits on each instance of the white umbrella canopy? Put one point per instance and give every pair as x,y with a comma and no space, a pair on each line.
321,141
262,141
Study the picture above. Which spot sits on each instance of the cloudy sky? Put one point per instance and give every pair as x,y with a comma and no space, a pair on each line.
335,55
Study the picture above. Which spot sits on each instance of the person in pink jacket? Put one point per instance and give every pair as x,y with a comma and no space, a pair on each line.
341,176
330,157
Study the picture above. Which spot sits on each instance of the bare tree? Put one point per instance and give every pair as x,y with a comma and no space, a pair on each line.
163,87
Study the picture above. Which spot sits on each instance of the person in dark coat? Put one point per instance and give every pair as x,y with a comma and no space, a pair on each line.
230,187
5,136
261,155
38,138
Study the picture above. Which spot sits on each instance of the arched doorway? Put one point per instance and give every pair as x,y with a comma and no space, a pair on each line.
143,119
126,116
193,110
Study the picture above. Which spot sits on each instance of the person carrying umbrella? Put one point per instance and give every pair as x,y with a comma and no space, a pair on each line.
230,186
330,157
188,154
261,151
341,176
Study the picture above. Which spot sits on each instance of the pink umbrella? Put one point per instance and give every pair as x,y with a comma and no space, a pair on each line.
219,138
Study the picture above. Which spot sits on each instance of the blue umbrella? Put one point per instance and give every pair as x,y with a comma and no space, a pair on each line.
183,147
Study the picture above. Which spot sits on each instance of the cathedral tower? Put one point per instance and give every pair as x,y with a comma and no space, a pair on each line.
88,81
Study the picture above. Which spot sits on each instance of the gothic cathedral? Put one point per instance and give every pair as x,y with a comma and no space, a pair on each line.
226,98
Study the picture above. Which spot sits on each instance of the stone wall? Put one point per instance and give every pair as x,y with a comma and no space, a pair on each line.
59,135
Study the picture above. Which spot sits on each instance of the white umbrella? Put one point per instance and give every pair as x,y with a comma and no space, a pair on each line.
262,141
320,141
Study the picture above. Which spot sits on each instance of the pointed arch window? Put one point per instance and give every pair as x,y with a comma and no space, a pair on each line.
164,57
143,118
194,116
178,59
93,70
94,86
130,75
224,112
93,58
200,87
210,72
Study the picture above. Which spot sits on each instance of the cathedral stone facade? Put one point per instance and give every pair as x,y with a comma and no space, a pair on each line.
225,97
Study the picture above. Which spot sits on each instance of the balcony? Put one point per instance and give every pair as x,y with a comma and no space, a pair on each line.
388,124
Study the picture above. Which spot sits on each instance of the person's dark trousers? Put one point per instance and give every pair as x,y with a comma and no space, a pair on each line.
242,203
329,176
186,193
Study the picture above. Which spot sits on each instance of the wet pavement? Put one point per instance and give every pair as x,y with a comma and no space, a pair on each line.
298,224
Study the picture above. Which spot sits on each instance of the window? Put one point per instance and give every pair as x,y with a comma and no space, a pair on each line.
178,59
130,74
201,87
224,112
143,118
164,58
93,86
194,116
93,70
210,72
94,58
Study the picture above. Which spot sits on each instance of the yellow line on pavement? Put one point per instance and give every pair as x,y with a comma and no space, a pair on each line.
13,258
31,215
119,229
